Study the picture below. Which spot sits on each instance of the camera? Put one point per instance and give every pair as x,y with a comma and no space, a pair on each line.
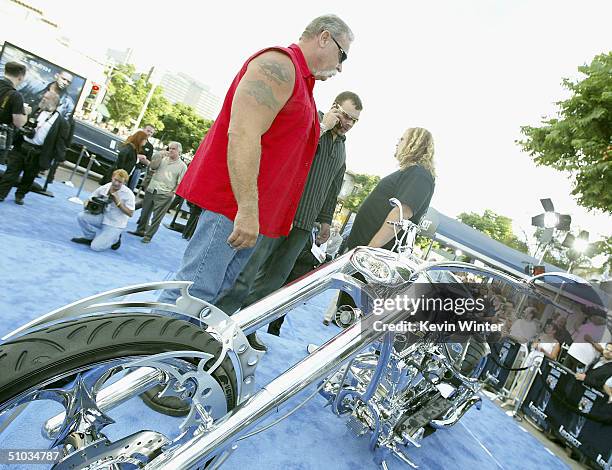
6,136
97,204
29,128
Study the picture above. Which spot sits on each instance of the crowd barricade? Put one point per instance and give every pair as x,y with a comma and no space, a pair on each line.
505,360
575,413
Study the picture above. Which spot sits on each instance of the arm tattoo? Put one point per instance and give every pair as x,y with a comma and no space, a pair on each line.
275,71
262,92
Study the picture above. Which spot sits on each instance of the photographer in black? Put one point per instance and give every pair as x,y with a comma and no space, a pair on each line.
42,139
106,214
13,112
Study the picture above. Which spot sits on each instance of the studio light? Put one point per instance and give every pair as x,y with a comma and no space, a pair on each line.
551,219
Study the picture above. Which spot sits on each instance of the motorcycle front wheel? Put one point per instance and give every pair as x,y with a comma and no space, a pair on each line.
55,351
70,362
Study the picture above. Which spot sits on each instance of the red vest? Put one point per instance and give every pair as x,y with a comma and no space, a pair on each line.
287,151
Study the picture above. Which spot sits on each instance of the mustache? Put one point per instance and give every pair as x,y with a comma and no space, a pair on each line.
326,73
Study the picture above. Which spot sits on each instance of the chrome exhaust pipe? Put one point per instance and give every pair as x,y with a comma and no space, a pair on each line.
456,413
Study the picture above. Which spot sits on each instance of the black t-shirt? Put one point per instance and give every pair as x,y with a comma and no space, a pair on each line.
413,186
11,102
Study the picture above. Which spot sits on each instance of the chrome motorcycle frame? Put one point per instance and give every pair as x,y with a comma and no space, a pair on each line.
399,272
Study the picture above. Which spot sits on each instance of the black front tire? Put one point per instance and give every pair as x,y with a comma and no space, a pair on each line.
57,350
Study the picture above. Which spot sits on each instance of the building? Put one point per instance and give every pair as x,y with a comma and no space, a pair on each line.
27,26
181,88
348,185
116,57
25,11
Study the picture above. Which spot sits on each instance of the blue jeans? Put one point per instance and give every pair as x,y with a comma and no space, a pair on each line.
233,299
266,271
133,181
101,236
209,262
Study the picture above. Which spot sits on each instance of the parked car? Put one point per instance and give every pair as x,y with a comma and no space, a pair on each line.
97,141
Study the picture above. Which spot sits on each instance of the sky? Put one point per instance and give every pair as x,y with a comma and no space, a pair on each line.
472,72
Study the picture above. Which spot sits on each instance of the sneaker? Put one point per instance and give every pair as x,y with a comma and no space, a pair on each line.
136,232
81,241
255,343
19,200
146,240
117,244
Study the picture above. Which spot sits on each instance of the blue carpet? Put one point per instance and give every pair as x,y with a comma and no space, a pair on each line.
42,270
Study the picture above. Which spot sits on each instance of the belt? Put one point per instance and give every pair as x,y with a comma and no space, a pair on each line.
27,147
157,191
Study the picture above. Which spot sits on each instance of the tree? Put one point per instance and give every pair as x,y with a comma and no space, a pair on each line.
603,247
364,184
498,227
158,107
127,95
183,125
578,140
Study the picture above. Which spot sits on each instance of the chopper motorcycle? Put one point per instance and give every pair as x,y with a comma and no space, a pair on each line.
97,353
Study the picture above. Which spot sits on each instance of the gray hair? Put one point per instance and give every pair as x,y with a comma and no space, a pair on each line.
331,23
53,98
178,145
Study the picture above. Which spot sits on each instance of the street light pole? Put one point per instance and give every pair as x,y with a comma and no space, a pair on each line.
544,250
101,96
144,107
153,78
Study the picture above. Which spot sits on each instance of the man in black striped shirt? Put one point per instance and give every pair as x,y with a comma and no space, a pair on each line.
273,258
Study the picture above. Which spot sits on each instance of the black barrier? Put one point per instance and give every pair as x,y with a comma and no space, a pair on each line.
496,353
500,363
579,415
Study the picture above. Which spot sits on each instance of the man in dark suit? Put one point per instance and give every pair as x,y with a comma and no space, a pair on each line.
599,374
44,139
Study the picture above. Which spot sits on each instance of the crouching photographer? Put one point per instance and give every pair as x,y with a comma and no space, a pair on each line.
106,214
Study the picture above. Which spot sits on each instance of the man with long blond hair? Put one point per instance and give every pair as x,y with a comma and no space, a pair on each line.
413,185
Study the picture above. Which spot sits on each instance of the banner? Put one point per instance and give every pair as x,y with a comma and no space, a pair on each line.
579,415
41,76
500,362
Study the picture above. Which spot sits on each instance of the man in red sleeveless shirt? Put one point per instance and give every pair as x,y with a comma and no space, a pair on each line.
249,172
